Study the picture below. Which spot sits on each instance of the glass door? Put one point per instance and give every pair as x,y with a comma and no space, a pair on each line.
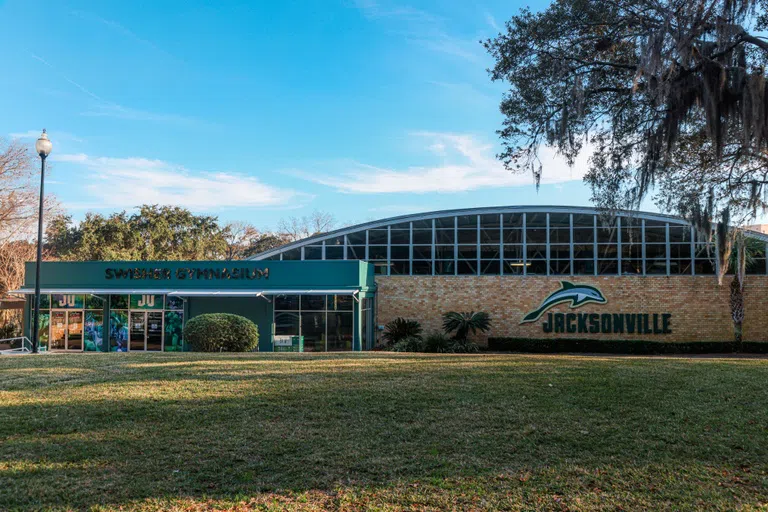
75,330
155,330
58,330
138,330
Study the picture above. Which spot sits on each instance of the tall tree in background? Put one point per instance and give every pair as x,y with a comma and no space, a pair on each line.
244,240
296,228
153,233
19,194
669,96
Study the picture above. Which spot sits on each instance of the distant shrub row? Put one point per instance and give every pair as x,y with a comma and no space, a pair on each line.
402,335
638,347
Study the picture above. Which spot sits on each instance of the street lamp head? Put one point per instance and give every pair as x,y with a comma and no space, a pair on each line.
43,146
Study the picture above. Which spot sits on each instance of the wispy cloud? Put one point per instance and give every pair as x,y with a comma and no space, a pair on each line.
35,134
467,164
422,28
129,182
491,21
120,29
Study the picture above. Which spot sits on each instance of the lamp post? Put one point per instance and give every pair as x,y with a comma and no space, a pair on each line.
43,147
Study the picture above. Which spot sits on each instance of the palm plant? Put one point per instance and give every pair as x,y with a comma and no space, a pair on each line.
400,329
465,322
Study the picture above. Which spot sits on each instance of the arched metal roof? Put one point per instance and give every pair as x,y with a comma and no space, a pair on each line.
312,240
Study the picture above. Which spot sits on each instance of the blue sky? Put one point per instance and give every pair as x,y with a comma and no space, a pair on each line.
262,110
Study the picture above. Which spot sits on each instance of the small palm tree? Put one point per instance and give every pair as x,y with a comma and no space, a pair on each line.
400,329
462,323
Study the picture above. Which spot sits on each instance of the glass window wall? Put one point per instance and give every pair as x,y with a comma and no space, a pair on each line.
325,321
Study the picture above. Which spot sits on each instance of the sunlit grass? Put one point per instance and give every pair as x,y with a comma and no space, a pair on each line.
382,431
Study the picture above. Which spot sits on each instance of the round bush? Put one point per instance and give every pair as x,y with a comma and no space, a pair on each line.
217,332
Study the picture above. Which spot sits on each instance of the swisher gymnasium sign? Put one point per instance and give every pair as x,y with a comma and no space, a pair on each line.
592,323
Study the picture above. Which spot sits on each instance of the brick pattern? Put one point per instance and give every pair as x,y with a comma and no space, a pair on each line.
699,307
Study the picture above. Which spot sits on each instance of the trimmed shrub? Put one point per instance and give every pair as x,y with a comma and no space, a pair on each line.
410,344
551,346
217,332
464,347
400,329
437,342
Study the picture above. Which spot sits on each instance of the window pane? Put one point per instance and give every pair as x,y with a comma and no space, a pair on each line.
173,302
631,266
400,252
679,251
313,330
339,240
631,235
655,251
537,267
581,220
401,226
444,236
91,302
607,267
377,252
286,303
467,221
377,236
44,327
559,236
678,234
118,301
536,220
490,220
444,222
606,235
560,252
444,252
118,331
422,224
513,236
634,251
583,267
45,301
655,266
380,267
756,266
422,267
513,220
655,235
313,252
490,236
146,302
560,267
340,329
467,251
513,252
422,252
357,238
467,236
400,237
513,267
490,267
607,252
313,302
443,268
562,220
467,267
422,236
340,303
174,321
583,235
286,323
292,254
67,301
334,252
537,252
489,252
536,236
583,251
704,267
680,266
356,252
93,331
399,268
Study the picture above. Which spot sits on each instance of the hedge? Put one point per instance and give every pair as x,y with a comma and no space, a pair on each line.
217,332
549,346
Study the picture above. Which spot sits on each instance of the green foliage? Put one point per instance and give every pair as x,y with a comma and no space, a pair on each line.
465,322
437,342
154,233
409,344
216,332
400,329
640,347
464,346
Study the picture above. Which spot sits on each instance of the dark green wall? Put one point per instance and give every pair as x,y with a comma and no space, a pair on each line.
253,308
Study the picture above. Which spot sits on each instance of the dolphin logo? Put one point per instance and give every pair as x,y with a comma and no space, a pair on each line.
576,294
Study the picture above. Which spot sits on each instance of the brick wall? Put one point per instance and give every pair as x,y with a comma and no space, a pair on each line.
699,307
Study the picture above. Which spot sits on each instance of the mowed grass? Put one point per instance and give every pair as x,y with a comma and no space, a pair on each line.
382,432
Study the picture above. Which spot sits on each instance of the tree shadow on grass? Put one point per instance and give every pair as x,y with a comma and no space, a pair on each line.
203,429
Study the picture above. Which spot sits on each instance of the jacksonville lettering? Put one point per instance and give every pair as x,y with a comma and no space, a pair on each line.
187,273
608,323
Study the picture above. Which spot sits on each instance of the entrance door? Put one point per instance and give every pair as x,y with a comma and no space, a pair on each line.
138,330
154,330
66,330
74,330
58,330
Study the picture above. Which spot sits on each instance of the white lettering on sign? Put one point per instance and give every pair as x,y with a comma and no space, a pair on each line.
146,301
67,301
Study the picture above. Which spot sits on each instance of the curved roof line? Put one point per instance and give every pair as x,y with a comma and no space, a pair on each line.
589,210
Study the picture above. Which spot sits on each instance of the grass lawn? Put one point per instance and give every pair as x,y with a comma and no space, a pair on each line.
383,432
